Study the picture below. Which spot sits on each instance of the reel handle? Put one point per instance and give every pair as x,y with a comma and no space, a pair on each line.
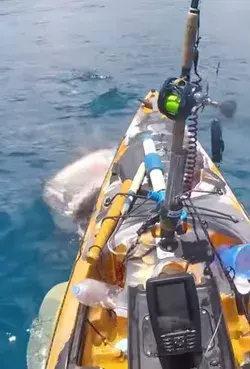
227,107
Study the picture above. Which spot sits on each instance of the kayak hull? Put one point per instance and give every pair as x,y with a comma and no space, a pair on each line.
75,341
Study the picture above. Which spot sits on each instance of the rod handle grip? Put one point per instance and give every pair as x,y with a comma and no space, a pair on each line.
189,42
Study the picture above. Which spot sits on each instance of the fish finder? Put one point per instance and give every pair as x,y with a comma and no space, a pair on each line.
174,314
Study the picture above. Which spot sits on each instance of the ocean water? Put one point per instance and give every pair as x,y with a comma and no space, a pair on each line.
70,74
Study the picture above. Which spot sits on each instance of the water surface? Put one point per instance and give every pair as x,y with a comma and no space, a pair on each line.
70,74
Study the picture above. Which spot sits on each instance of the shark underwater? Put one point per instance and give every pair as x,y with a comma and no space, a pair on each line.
72,192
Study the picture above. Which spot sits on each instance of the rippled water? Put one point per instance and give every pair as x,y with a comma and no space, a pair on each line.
70,74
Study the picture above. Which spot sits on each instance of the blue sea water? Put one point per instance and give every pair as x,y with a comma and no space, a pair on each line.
70,75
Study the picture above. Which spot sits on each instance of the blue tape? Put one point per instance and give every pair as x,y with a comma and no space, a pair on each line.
184,215
153,161
175,214
158,197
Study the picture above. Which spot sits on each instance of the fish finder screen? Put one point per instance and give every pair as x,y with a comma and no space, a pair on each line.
172,301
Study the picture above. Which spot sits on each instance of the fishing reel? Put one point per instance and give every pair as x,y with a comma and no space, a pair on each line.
177,98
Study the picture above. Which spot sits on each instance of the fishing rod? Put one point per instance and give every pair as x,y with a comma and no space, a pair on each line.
180,100
169,103
190,39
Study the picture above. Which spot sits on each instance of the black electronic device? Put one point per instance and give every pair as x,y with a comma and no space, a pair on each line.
142,347
174,314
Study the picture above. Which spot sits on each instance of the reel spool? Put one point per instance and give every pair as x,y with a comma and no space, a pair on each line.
176,98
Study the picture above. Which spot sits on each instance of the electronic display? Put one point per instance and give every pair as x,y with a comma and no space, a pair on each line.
174,314
171,301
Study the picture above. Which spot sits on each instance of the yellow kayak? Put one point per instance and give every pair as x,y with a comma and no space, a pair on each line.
161,277
88,337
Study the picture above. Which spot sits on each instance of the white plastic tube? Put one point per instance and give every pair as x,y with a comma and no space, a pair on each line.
156,175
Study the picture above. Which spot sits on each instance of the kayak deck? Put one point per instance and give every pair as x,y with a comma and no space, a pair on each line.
89,336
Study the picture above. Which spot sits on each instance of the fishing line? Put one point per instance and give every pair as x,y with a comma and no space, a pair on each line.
211,340
131,250
217,70
214,334
245,308
229,270
218,217
186,193
227,275
187,266
139,257
138,206
214,213
109,201
196,52
99,265
104,339
142,213
193,222
206,232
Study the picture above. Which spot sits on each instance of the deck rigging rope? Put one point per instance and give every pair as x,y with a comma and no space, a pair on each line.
213,213
211,340
225,270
